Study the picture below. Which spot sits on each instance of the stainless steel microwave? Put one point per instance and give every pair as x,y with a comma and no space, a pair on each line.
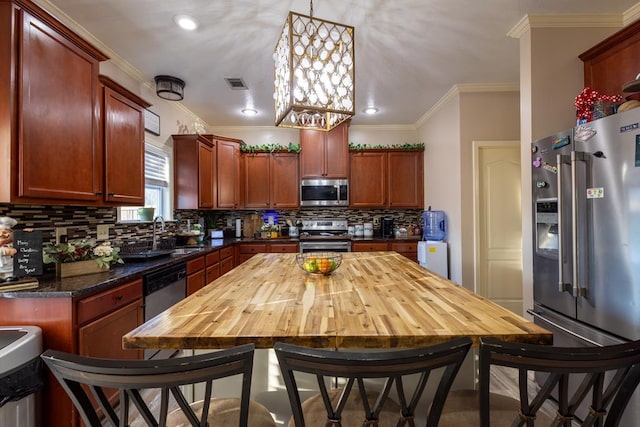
324,192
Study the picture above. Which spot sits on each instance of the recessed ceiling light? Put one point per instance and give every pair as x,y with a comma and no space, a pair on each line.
249,112
370,110
186,22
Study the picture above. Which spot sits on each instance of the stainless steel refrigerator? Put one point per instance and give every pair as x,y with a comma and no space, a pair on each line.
586,226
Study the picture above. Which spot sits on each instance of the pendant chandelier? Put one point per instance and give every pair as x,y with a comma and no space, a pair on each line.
314,73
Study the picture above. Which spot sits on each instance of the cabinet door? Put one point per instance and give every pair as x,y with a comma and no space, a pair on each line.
337,152
256,180
103,337
60,153
228,174
368,180
312,154
195,281
284,181
206,170
124,149
324,154
405,179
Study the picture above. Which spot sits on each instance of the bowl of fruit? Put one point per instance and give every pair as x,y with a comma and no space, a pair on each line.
319,262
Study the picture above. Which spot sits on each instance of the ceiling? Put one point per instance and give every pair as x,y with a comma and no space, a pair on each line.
409,53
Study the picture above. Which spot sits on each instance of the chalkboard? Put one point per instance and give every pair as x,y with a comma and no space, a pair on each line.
28,259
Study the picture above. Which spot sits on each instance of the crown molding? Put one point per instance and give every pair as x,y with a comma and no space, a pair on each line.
461,88
631,15
585,20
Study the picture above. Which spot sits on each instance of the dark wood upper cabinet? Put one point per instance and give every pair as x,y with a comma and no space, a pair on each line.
405,179
123,132
387,179
206,172
325,154
49,110
271,180
228,172
614,61
193,171
368,184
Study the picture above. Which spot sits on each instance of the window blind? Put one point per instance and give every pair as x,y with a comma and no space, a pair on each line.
156,169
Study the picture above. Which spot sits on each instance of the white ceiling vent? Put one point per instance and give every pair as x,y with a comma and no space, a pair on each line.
236,83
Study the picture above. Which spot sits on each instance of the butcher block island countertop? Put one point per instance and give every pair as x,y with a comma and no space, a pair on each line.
374,300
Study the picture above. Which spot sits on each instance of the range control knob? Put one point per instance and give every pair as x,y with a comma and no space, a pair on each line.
541,184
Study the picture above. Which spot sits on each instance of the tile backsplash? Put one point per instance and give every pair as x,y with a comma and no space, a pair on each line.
81,221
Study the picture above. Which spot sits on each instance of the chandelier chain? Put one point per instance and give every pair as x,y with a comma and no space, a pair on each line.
311,8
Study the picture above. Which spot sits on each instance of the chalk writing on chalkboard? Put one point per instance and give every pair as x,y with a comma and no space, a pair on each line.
28,259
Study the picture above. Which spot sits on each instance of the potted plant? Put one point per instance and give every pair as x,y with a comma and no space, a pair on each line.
81,256
212,222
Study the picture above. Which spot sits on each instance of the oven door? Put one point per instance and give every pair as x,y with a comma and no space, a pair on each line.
325,246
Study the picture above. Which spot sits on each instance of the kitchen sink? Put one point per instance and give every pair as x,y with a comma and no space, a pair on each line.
147,254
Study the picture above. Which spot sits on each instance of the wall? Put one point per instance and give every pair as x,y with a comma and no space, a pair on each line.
441,135
467,113
483,116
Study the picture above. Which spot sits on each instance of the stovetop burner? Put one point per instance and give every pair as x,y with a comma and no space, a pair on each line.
324,229
324,236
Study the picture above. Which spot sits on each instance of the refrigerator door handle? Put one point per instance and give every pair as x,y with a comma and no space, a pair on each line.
562,286
578,277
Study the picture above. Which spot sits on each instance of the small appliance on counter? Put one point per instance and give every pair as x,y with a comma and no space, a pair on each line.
386,228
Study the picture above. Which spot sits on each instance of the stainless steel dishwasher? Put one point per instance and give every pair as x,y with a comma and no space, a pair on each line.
162,289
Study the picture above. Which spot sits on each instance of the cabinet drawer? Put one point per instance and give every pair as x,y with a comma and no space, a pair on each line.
105,302
404,247
284,247
253,248
213,257
226,252
226,265
195,265
369,246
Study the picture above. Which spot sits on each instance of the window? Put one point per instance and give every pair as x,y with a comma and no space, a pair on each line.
156,185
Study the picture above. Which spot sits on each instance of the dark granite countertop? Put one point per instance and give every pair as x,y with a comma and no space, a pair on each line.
86,285
51,286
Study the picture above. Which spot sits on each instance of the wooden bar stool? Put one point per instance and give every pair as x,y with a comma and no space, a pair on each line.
607,377
357,402
79,375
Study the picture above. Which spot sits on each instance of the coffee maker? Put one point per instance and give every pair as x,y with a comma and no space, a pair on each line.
386,227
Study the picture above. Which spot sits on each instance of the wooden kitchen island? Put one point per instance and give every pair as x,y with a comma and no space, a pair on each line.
374,300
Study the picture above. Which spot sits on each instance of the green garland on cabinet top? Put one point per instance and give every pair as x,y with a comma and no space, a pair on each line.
406,147
270,148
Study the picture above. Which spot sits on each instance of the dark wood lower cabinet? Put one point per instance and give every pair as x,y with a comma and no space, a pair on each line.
91,326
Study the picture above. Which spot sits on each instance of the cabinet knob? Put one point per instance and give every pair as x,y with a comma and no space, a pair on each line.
118,297
98,193
111,194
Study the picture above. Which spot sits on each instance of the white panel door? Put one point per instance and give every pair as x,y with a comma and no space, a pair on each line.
498,223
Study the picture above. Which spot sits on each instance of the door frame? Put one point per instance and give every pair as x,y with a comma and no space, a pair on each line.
476,147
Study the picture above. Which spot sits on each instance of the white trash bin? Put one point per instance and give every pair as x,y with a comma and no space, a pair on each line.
19,346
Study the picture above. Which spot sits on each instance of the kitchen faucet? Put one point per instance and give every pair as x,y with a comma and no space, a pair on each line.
154,246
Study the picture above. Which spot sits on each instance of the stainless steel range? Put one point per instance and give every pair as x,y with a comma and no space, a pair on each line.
325,235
